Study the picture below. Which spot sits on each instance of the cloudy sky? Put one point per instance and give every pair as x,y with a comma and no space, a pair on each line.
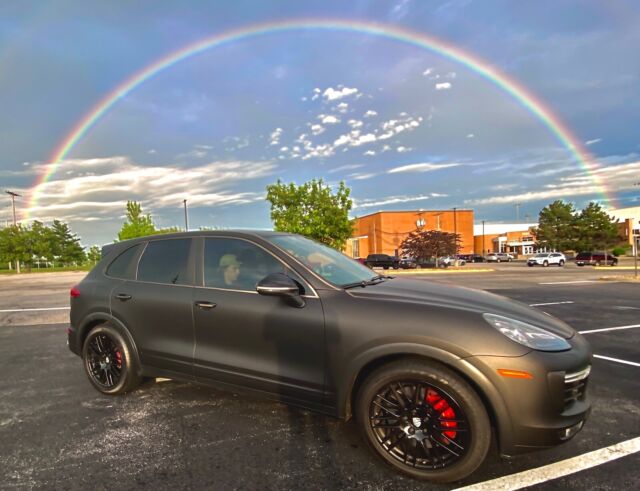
405,127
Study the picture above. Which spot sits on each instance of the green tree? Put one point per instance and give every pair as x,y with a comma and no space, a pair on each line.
94,254
66,245
15,245
557,227
430,243
41,241
312,210
136,224
596,229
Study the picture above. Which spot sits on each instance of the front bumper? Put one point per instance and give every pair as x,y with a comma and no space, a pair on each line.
548,409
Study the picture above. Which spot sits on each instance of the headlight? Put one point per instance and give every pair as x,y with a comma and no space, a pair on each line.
531,336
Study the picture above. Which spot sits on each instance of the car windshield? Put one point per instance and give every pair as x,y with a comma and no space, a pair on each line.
326,262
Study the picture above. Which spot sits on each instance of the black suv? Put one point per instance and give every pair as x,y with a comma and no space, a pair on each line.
382,261
428,370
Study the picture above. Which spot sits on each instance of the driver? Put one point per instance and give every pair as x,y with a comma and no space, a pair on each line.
229,266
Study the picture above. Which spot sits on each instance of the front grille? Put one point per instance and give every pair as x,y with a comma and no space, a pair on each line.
575,386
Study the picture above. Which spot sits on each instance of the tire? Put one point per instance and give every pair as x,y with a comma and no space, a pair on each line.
561,263
530,265
598,263
545,264
110,361
497,260
385,267
432,393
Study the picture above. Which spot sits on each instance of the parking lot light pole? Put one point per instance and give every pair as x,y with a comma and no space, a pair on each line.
186,218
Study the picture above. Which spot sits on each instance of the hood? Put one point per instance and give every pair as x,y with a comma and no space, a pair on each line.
461,298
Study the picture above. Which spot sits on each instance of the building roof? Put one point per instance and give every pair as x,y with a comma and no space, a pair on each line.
417,212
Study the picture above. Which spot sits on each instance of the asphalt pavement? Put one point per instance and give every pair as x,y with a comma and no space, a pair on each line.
57,432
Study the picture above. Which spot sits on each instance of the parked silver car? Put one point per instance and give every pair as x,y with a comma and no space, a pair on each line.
497,257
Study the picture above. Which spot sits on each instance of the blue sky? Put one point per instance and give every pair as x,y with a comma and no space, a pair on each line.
403,126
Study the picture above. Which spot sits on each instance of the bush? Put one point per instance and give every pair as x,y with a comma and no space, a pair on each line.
619,251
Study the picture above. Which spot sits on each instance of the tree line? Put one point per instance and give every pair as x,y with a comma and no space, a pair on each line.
315,211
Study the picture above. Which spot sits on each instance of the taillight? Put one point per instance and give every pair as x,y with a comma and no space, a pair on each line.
74,292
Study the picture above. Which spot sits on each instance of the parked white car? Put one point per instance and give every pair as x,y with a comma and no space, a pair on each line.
547,258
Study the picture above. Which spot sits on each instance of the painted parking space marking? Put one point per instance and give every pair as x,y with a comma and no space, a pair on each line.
35,310
577,282
616,360
606,329
559,469
550,303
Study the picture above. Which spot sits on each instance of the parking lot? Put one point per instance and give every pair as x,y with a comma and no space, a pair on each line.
56,431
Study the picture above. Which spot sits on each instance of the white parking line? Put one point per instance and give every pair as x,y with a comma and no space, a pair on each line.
550,303
624,362
569,282
605,329
559,469
36,310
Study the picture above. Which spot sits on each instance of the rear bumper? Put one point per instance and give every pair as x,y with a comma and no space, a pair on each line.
73,341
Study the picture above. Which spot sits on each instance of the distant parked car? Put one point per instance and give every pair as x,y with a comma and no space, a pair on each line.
382,261
547,258
450,261
497,257
407,262
472,258
596,259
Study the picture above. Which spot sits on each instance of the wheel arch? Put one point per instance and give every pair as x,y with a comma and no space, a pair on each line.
486,391
98,318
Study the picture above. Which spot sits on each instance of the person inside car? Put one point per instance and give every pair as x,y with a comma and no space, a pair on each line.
229,267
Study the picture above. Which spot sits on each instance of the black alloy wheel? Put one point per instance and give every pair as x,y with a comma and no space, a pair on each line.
109,361
424,420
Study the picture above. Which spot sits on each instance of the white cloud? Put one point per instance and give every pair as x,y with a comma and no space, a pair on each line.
361,177
370,113
427,72
370,153
354,123
342,107
422,167
471,135
443,86
389,200
402,149
100,186
332,94
275,136
317,129
346,167
329,119
593,142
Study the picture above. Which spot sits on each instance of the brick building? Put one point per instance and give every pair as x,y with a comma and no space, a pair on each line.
628,225
383,232
514,238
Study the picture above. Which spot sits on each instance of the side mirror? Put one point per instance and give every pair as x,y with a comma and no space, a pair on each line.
280,285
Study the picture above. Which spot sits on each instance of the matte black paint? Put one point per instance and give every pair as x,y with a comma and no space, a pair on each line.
312,356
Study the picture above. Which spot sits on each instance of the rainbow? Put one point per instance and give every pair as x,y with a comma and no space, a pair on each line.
522,95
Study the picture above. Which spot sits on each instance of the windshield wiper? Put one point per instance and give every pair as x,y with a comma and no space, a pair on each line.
373,281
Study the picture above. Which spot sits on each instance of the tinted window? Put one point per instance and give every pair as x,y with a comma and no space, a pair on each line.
238,265
165,261
124,266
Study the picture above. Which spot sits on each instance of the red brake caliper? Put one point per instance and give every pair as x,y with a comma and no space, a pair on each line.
446,411
119,358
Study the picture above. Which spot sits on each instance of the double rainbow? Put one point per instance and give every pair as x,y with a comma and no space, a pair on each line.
524,97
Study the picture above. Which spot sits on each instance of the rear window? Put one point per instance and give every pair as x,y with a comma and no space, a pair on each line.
584,255
166,261
124,266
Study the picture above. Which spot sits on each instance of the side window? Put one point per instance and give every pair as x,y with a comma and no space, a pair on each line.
165,261
238,265
124,266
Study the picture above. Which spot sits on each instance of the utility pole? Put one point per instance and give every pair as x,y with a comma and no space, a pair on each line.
186,218
13,204
455,233
483,239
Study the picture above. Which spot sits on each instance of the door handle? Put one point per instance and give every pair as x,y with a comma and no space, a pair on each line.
123,296
205,305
